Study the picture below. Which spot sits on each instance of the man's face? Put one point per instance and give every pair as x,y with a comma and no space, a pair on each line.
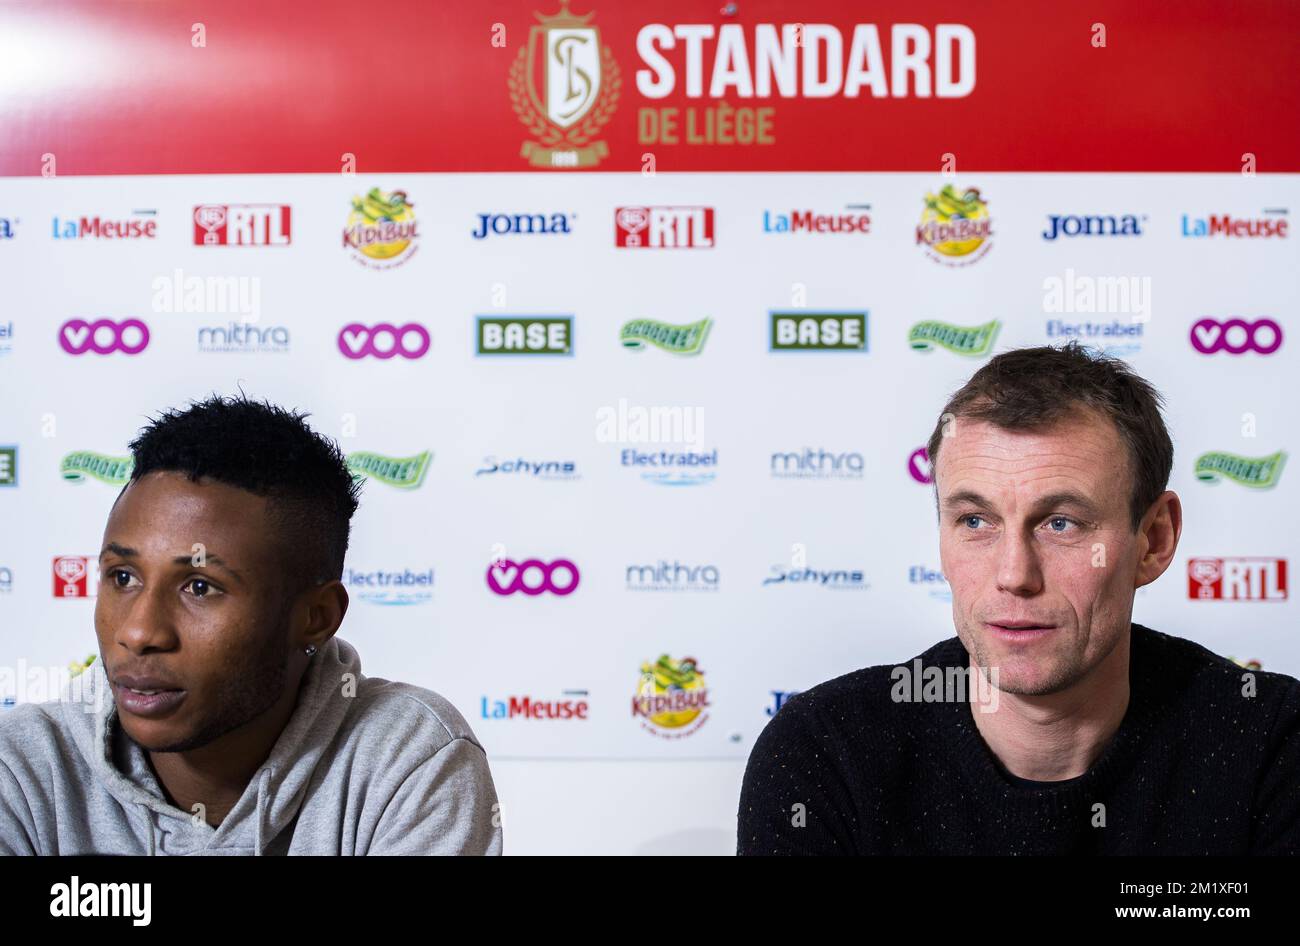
190,599
1034,532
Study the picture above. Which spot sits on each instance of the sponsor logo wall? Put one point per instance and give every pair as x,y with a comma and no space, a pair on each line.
629,440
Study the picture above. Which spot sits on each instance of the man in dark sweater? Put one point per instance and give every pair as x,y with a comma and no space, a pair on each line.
1051,724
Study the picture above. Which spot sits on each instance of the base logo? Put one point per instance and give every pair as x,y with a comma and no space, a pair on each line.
564,86
1255,472
402,472
523,335
817,331
955,228
381,229
672,699
678,339
8,464
1236,579
973,340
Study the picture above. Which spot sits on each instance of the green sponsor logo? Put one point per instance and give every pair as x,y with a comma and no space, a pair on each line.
524,335
971,340
1256,472
114,471
678,339
8,466
402,472
817,331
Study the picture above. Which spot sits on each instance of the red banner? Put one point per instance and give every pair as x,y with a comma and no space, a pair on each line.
245,86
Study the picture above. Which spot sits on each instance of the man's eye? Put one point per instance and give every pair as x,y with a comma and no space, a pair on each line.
114,574
1064,521
202,587
967,520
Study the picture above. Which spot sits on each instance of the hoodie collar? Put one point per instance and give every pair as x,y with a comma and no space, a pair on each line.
274,794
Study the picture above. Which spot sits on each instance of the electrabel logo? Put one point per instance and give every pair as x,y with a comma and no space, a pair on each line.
1117,337
807,221
1061,225
1273,223
817,331
403,588
533,577
8,227
955,227
141,225
816,464
838,580
103,336
401,472
779,698
523,335
8,464
1236,336
665,576
519,468
1255,472
76,576
242,225
574,705
919,466
972,340
522,224
671,699
383,340
673,468
1236,579
663,228
932,580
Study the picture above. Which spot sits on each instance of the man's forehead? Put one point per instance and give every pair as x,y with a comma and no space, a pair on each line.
1077,454
167,501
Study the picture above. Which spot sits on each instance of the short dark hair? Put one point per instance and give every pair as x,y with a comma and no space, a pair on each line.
1030,389
269,452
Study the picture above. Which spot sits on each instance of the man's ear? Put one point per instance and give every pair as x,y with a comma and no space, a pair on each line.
321,610
1159,533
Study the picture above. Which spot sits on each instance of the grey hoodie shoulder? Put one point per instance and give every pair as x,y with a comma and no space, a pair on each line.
364,766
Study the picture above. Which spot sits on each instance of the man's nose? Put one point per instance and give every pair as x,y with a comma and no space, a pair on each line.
148,622
1019,572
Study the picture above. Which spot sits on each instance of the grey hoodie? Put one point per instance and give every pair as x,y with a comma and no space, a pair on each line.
378,768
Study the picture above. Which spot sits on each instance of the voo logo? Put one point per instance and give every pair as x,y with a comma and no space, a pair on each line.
103,336
384,340
533,577
1263,336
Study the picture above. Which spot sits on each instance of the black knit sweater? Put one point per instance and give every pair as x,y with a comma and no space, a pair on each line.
1194,768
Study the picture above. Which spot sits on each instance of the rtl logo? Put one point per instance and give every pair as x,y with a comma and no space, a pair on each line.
241,225
663,227
72,577
1236,579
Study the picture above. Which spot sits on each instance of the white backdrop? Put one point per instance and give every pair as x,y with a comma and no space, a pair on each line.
605,783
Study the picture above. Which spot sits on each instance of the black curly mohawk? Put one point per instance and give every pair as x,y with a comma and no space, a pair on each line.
269,452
